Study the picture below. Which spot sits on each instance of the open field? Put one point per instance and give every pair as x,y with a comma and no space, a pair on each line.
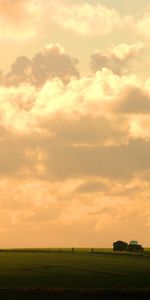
81,269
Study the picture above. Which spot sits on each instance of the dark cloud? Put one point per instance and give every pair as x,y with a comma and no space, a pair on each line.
62,159
89,130
99,61
51,63
133,101
120,162
117,58
92,186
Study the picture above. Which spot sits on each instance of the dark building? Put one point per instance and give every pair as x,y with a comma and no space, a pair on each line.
120,246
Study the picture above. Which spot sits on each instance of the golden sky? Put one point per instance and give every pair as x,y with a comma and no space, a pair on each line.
74,122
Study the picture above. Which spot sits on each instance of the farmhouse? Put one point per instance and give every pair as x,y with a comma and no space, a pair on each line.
120,246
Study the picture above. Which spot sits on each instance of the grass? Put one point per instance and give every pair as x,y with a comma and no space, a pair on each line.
80,269
61,269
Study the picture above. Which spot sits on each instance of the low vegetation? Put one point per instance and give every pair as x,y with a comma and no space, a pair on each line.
65,270
78,269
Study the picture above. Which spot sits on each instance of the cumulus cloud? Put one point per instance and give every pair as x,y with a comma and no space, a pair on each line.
53,128
74,155
74,151
52,62
117,58
26,105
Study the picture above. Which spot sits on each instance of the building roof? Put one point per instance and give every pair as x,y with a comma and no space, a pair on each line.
120,242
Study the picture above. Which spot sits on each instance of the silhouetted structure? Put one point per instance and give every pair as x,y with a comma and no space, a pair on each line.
133,246
120,246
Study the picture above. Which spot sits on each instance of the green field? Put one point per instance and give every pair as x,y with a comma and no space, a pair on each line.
80,269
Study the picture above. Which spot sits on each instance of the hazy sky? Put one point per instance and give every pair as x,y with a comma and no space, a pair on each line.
74,122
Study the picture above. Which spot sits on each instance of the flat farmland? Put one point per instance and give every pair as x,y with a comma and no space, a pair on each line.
80,269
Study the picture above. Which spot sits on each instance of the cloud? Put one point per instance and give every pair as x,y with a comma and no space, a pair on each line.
88,101
143,22
140,126
117,58
51,145
57,150
113,162
22,19
24,107
133,101
74,158
52,62
34,208
81,18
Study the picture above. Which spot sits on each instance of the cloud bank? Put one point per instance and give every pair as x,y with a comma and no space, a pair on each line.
74,151
82,18
23,20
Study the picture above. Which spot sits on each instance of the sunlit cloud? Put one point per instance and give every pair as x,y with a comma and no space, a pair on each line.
118,58
44,205
74,124
143,22
82,18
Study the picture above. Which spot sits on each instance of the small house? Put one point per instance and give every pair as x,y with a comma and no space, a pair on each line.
120,246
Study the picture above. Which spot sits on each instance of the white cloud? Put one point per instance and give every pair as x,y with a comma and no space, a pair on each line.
25,108
143,23
84,18
116,58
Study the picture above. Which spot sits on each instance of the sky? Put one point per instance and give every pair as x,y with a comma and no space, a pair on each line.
74,122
